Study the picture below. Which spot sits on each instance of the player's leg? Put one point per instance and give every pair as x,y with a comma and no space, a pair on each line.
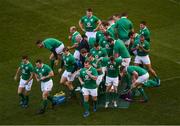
94,94
27,92
115,91
147,63
20,91
52,60
108,93
69,84
86,99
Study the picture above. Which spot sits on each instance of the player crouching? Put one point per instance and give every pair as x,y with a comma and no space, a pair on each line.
138,76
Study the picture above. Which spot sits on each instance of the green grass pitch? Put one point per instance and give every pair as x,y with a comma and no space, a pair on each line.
22,22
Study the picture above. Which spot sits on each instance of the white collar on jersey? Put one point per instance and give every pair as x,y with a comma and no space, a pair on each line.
124,17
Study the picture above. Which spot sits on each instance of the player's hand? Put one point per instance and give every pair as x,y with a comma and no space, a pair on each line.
68,47
15,77
56,62
70,37
141,47
59,70
43,78
38,80
83,30
88,72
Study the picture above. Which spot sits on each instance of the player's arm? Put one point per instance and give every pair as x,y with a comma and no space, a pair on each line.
145,50
51,74
61,66
134,76
54,53
98,25
135,47
81,26
17,73
92,75
80,80
74,46
36,76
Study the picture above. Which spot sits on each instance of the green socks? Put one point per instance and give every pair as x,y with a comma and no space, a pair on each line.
86,106
21,95
50,98
45,103
26,100
52,63
141,90
95,104
108,95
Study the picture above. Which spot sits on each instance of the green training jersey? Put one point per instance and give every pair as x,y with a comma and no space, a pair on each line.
43,71
73,39
123,26
146,33
26,70
111,30
96,65
51,43
91,42
145,45
88,81
69,62
99,36
101,52
120,48
105,44
112,67
138,69
89,23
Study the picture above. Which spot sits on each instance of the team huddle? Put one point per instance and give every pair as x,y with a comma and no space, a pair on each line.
106,54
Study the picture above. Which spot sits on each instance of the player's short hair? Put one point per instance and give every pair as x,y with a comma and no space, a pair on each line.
142,36
105,23
83,50
96,44
122,68
130,34
38,42
124,14
39,61
111,58
87,61
65,49
73,28
143,22
110,18
89,10
89,55
25,57
117,15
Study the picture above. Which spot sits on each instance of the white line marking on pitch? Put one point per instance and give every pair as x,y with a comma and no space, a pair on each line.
175,2
171,78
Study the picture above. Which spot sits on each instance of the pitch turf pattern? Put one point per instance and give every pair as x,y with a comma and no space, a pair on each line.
22,22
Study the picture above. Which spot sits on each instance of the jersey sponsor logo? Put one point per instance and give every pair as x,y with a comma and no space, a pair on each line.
107,46
88,24
26,68
87,77
97,56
